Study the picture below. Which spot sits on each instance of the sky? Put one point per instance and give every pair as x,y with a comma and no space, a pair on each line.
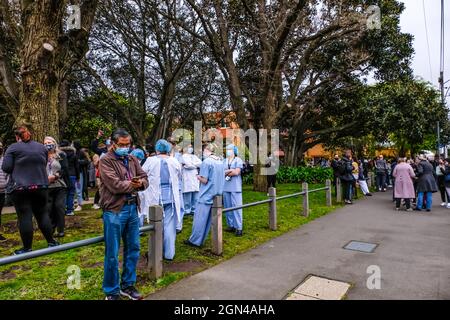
412,21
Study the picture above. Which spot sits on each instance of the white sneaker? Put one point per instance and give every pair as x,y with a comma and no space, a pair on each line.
448,205
443,204
95,207
79,208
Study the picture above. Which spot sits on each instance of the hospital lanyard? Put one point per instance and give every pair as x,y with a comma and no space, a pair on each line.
230,163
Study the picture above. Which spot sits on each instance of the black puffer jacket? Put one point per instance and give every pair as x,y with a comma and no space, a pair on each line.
72,161
346,168
426,181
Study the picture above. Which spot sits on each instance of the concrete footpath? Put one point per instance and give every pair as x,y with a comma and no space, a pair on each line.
413,255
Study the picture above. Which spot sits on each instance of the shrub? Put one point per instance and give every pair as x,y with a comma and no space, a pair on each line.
297,175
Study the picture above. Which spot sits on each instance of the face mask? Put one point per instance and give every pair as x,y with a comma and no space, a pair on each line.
122,152
230,153
50,147
190,150
108,142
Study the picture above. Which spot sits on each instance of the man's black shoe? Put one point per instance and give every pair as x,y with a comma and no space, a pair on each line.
53,244
369,194
113,297
20,251
229,229
187,242
238,233
131,293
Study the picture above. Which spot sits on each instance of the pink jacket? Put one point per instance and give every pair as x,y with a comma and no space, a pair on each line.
404,187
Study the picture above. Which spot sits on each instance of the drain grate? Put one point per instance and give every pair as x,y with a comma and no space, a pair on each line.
361,246
319,288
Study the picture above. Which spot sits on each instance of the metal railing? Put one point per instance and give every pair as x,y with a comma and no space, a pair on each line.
218,210
155,241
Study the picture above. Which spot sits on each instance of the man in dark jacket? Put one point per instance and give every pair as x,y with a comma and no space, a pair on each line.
381,172
122,177
73,168
426,184
335,167
346,176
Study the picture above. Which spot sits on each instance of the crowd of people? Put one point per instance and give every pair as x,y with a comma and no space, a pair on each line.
49,181
413,180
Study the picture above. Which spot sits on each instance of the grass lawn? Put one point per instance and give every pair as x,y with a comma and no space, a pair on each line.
46,277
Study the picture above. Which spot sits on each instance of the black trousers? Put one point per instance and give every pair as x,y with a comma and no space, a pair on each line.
56,208
271,181
2,204
347,189
97,197
398,202
29,204
442,190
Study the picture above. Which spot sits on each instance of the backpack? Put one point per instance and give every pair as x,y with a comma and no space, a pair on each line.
342,168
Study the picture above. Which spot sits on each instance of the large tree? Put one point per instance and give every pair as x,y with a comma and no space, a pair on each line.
37,52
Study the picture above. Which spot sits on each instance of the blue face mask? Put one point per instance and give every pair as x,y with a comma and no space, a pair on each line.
50,147
230,153
122,152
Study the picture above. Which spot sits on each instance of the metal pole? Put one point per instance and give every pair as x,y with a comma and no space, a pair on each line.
305,212
273,209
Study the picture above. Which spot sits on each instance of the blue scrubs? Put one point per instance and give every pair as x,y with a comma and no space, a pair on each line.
212,170
232,194
190,200
169,232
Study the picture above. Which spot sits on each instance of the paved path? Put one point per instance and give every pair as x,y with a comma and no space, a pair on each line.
413,254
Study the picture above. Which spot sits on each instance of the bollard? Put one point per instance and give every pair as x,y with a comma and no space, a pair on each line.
216,226
338,191
273,209
305,212
328,192
155,243
369,180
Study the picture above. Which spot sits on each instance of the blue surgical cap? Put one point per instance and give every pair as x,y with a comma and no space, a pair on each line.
138,153
163,146
234,148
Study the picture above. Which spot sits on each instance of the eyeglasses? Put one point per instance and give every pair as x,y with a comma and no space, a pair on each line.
120,145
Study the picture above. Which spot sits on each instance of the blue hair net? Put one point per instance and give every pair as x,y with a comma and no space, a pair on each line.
234,148
138,153
163,146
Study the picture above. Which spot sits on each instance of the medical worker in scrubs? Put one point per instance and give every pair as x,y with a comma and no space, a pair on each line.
232,189
190,164
163,174
211,179
174,153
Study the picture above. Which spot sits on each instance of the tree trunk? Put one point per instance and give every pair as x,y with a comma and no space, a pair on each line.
39,99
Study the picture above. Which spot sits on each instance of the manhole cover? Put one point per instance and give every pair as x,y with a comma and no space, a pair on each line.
318,288
361,246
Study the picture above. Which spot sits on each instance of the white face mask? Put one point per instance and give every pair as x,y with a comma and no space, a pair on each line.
190,150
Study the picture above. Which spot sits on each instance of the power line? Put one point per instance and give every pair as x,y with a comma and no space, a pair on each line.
428,41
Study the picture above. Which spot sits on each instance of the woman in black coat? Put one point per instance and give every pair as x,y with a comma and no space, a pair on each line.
426,184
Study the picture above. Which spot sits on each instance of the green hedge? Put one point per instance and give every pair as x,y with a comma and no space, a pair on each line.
298,175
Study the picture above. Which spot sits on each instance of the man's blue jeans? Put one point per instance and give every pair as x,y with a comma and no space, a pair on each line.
429,199
123,225
71,194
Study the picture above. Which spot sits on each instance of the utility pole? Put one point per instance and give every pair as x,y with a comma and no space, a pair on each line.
441,78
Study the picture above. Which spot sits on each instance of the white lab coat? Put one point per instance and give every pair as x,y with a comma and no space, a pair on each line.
190,163
152,195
